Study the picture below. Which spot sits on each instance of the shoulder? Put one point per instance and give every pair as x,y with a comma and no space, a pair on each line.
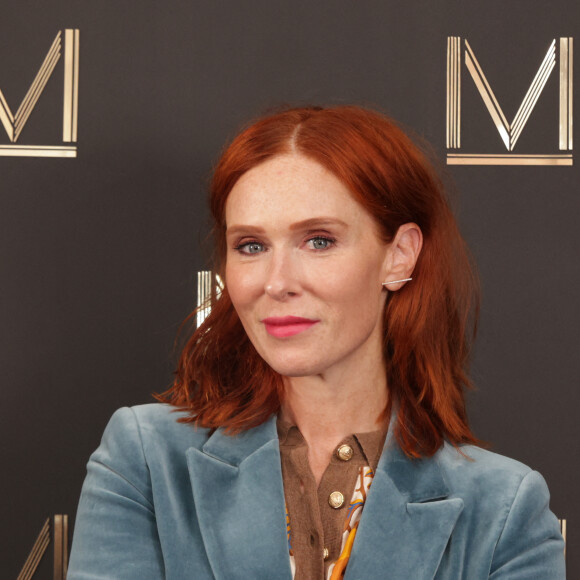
157,421
496,491
508,502
471,463
136,435
472,472
137,492
505,507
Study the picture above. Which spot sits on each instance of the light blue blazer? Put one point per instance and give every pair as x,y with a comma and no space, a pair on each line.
164,500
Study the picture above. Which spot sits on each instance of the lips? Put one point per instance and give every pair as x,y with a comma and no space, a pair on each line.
284,326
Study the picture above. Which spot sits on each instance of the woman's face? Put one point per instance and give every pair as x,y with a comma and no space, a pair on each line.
304,268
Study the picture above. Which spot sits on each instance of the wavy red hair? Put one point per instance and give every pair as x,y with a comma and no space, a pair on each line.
221,381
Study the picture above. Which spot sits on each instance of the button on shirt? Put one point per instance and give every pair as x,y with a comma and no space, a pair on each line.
317,514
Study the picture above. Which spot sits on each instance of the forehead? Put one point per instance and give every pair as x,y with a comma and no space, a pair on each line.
289,187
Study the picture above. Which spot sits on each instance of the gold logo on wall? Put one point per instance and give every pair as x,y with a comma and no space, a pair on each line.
14,122
60,542
509,132
209,286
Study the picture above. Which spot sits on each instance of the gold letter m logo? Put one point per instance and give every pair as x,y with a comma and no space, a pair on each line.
14,122
509,132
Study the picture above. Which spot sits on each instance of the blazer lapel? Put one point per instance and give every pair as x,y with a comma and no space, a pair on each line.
239,498
407,519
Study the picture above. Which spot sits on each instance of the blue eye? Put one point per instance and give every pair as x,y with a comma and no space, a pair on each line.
250,248
320,243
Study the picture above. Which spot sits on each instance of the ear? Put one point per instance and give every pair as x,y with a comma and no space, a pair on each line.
402,256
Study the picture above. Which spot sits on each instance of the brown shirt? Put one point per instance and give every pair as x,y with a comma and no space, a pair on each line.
316,526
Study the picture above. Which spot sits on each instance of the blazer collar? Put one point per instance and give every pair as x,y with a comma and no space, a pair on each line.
407,519
417,480
239,498
234,450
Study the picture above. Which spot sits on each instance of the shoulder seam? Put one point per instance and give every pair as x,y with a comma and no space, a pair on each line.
108,467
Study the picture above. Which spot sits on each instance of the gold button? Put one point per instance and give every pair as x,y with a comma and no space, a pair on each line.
325,553
335,499
345,452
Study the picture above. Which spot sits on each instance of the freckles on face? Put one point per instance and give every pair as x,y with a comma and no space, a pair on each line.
304,267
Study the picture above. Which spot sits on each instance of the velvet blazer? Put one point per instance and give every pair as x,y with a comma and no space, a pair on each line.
166,500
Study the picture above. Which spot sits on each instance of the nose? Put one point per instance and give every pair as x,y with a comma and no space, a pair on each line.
282,280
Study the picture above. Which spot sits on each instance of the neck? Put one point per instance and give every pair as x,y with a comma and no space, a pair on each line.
326,411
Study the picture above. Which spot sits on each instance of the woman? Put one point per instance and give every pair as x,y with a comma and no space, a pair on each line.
321,429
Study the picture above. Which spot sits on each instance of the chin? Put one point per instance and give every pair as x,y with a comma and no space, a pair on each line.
294,368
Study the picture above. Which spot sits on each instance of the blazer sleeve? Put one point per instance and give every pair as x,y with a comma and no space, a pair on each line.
115,531
530,544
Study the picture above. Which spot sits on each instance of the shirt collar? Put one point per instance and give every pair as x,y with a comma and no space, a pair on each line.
370,443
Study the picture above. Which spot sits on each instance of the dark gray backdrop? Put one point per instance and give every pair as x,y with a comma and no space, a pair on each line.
99,254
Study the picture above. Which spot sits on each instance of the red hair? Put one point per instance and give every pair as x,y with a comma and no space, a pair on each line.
428,325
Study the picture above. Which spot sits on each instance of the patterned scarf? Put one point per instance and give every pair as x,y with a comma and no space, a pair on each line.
337,569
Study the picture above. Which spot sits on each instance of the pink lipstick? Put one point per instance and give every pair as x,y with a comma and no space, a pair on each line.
284,326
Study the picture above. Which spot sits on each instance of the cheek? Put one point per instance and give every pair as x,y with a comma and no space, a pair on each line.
241,287
357,293
354,284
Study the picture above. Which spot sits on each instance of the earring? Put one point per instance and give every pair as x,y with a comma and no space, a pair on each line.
396,281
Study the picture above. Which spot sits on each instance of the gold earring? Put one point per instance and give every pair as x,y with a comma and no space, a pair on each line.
396,281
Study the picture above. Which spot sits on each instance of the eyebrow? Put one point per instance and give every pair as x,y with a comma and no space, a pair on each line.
311,223
318,222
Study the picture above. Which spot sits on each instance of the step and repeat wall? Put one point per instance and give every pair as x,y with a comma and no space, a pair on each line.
112,114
